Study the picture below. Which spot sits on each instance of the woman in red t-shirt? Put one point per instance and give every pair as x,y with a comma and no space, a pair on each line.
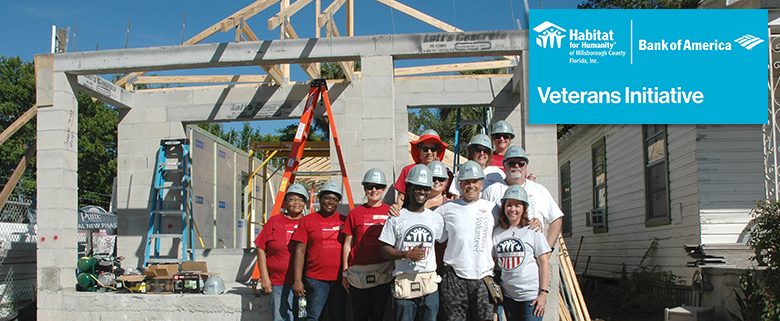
317,244
274,253
367,274
424,150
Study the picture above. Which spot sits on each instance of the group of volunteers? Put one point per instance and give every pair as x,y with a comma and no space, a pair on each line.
454,246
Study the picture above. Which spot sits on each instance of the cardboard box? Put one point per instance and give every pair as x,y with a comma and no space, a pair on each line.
194,266
161,285
162,270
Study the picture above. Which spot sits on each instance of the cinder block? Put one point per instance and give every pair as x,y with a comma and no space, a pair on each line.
152,129
408,87
155,114
48,301
380,87
380,128
377,66
54,119
377,107
57,140
376,149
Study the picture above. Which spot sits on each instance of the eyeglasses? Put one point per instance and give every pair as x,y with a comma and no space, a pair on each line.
478,150
419,189
439,180
377,187
429,148
502,136
513,163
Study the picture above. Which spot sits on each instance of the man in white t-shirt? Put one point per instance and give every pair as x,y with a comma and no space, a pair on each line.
480,150
543,211
468,228
409,240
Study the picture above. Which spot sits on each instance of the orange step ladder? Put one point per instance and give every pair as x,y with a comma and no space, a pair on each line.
318,88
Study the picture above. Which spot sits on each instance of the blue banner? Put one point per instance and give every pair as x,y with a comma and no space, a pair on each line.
648,67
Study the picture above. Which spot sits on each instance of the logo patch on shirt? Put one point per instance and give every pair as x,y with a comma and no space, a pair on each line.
511,253
418,235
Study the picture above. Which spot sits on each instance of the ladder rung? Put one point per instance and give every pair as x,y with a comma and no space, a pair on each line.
171,187
172,169
160,236
163,260
169,212
318,173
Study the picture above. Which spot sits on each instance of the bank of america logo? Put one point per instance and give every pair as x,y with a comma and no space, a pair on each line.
749,41
549,35
510,253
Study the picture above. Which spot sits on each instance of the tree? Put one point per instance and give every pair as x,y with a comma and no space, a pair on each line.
639,4
96,135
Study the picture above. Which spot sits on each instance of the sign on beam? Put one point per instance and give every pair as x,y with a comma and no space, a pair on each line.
455,42
648,67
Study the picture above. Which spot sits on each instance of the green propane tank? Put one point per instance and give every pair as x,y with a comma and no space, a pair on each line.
85,278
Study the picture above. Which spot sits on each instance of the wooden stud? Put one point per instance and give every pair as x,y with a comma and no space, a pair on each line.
286,13
17,124
200,79
223,25
351,18
327,14
17,175
419,15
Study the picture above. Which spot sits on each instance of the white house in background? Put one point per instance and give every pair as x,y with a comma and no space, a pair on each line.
626,187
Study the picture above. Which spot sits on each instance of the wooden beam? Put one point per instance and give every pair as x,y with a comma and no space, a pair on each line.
273,71
419,15
17,175
18,123
454,67
286,13
346,66
351,18
327,14
223,25
200,79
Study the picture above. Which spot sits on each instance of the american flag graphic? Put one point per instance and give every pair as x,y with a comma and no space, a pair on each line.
418,235
511,253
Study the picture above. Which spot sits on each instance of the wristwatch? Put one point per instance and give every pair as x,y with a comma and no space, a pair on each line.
544,290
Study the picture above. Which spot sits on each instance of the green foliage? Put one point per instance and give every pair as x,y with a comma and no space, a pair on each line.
635,296
17,95
761,289
443,120
332,70
239,138
639,4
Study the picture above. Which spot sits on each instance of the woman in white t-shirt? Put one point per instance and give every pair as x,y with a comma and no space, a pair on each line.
523,256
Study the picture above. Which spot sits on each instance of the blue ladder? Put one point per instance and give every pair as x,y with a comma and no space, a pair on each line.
171,180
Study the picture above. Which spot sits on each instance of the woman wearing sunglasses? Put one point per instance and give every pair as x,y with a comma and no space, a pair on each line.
426,149
502,135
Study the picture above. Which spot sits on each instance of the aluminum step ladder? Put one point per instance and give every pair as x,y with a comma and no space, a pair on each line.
171,198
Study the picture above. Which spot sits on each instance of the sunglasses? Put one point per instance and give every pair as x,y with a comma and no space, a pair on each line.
296,200
429,148
439,180
512,163
504,136
377,187
481,150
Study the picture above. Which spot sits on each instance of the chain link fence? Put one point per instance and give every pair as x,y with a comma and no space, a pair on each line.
17,256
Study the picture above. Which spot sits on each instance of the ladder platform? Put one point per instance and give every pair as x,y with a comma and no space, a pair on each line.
160,235
163,260
170,187
169,212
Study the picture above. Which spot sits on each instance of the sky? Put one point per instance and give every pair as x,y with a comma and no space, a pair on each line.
25,25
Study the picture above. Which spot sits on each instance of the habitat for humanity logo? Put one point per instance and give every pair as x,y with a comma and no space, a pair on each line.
549,35
748,41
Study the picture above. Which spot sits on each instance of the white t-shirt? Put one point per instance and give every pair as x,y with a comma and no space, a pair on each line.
467,229
541,204
410,229
516,250
493,174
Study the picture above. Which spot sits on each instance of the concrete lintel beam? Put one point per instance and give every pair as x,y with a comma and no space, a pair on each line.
104,90
295,51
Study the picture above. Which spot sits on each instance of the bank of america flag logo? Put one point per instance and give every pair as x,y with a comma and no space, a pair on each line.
549,35
749,41
418,235
511,253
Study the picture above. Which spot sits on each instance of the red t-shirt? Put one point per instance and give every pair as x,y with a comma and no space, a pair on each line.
274,239
400,183
497,160
323,246
365,224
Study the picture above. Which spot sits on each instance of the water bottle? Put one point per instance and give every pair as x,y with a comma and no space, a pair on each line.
302,307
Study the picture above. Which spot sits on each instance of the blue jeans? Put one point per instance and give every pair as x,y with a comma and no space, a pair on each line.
519,310
424,308
322,293
282,302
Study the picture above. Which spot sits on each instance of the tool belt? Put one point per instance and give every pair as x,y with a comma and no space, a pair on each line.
369,276
415,285
496,295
